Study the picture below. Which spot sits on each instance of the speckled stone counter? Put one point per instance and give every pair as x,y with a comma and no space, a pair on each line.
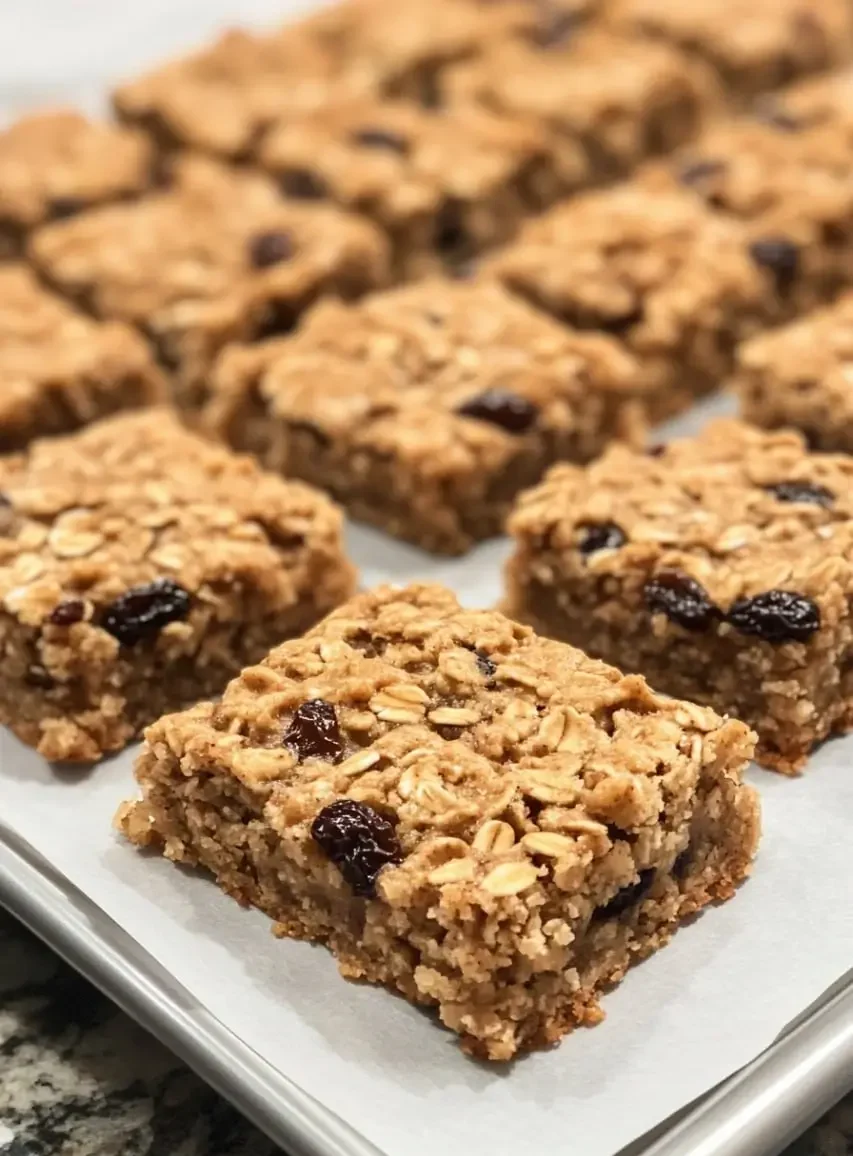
78,1078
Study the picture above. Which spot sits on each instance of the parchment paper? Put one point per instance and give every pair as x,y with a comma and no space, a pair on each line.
679,1023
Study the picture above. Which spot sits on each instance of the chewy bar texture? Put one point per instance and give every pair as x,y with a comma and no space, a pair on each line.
56,164
425,409
675,284
608,101
719,567
140,568
60,369
442,187
490,823
802,376
220,99
218,257
753,45
788,181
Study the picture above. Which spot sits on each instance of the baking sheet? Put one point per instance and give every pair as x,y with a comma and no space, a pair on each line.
677,1026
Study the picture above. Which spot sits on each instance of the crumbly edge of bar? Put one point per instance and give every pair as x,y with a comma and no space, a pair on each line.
431,943
793,696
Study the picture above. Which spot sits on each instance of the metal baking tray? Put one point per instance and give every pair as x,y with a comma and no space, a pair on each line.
757,1112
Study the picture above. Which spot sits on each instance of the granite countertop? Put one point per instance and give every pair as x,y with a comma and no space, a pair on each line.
78,1078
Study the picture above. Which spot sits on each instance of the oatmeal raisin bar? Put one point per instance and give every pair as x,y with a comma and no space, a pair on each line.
55,164
425,409
789,185
676,284
142,567
59,369
219,256
718,566
753,45
490,823
442,187
802,376
609,101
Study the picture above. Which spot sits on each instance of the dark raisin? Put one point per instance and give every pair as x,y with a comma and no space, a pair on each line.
314,732
810,492
67,612
501,408
682,863
601,536
776,616
681,599
380,138
555,29
485,664
62,207
38,677
303,185
695,172
450,236
143,611
358,840
269,248
657,450
780,256
628,896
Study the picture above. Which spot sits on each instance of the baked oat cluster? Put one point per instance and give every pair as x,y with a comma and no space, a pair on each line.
447,261
718,566
490,822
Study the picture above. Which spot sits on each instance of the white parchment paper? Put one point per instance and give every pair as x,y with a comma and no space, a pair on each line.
679,1023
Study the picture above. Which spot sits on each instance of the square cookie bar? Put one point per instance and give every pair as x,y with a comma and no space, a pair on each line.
219,256
802,376
140,568
609,101
789,183
220,99
677,285
55,164
719,567
60,369
443,187
490,823
425,409
754,45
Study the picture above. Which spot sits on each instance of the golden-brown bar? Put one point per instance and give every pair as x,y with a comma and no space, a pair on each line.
490,823
142,567
718,566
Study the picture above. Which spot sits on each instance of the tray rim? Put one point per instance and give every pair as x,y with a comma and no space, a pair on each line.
758,1111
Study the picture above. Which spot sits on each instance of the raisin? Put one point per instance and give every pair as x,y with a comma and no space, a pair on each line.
358,840
485,664
380,138
780,256
501,408
681,599
269,248
67,612
628,896
303,185
656,450
143,611
314,733
62,207
776,616
449,235
810,492
601,536
555,29
682,863
695,172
